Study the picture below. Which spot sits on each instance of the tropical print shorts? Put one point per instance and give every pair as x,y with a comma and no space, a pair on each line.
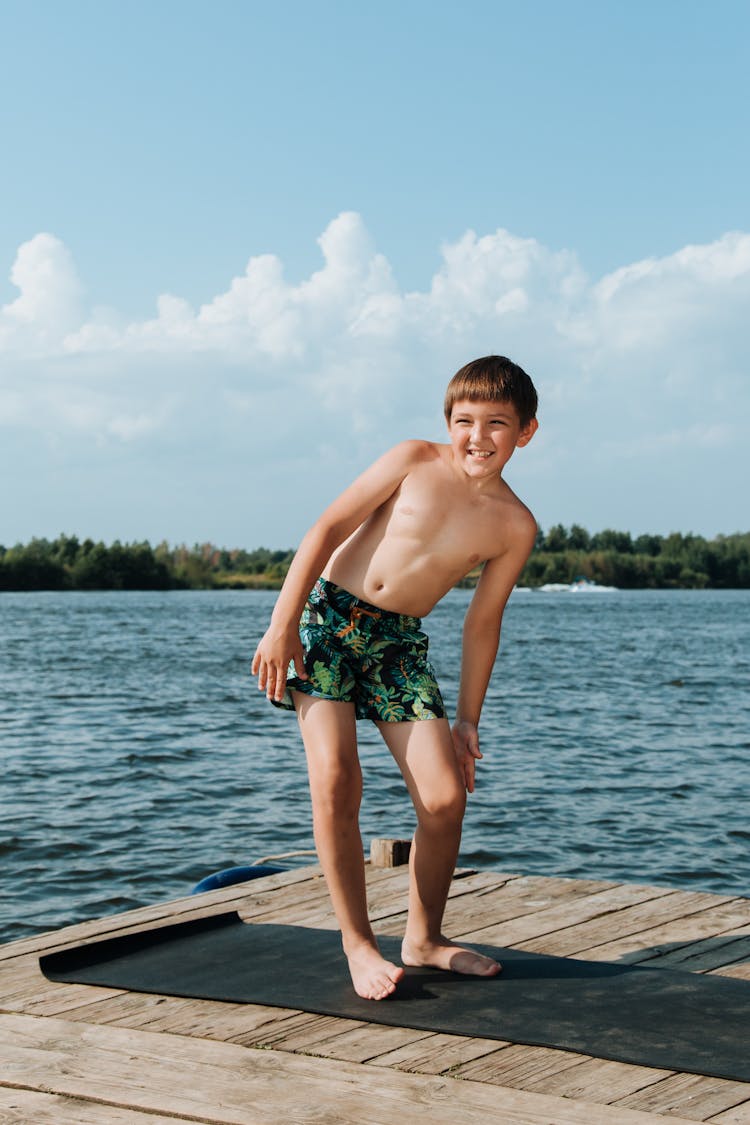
357,653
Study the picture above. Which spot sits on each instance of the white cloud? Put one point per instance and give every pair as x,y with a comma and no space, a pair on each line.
49,301
494,284
652,356
658,303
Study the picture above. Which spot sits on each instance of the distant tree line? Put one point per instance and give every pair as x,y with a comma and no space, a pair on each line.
613,558
66,563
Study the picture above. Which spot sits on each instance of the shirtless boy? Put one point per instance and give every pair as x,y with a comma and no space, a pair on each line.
349,645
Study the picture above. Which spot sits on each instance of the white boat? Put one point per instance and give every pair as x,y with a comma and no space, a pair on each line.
579,586
587,586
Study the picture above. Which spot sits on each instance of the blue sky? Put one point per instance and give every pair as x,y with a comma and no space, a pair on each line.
417,184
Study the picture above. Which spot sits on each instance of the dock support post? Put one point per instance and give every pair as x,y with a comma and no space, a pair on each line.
389,853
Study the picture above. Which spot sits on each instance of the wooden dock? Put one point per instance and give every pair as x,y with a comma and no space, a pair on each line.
74,1054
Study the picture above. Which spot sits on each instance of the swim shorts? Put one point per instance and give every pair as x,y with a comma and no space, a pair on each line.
358,653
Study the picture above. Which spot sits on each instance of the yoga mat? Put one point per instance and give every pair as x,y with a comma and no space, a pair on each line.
647,1016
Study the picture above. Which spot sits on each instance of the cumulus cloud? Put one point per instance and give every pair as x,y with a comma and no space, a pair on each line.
50,295
497,283
651,356
657,302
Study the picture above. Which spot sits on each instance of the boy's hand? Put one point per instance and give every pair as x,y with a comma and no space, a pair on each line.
466,744
272,658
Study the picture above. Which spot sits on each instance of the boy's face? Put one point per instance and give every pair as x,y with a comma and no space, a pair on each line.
485,434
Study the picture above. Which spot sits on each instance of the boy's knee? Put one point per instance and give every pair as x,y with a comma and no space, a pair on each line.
337,790
446,806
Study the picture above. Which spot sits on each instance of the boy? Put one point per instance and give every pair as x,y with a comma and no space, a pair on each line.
388,549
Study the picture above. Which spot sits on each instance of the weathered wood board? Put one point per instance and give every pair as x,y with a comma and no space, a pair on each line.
83,1054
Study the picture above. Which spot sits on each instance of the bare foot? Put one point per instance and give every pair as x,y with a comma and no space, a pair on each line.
373,977
444,954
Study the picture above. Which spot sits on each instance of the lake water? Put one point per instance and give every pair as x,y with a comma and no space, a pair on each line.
138,756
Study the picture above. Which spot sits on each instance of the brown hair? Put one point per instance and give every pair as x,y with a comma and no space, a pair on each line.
493,378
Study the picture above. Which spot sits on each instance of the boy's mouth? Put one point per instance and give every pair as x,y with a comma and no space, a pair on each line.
481,454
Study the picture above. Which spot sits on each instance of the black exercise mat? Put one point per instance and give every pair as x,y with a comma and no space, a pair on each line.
648,1016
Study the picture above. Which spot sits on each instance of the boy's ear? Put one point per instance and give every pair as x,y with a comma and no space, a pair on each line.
527,433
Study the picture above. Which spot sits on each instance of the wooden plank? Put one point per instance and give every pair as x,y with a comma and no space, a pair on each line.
294,1032
437,1053
548,910
393,900
313,897
383,885
317,914
248,1024
673,941
691,1095
361,1044
541,1070
20,1107
739,972
596,1080
202,1019
25,989
386,899
737,1115
473,918
566,915
519,1066
254,899
146,917
526,895
222,1084
586,937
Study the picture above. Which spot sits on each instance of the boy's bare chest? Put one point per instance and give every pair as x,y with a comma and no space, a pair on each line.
439,517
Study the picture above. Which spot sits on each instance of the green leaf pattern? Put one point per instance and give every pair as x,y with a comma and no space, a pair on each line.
377,660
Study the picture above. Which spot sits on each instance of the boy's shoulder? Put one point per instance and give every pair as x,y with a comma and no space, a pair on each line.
521,512
515,526
418,449
414,452
520,519
410,455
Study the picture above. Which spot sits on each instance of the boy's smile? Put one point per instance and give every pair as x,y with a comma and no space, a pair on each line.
484,435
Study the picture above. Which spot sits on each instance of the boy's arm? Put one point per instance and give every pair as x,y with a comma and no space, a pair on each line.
481,637
281,643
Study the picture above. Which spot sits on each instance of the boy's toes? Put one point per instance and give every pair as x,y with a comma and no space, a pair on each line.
377,987
445,954
373,977
383,987
474,964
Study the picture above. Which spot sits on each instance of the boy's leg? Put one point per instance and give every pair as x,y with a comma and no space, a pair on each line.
330,737
425,755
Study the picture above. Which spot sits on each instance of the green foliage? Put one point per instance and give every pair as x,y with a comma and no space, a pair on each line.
614,558
610,557
35,566
66,564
